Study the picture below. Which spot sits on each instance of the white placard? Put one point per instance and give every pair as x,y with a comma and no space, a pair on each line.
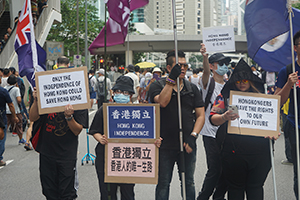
61,89
219,39
258,114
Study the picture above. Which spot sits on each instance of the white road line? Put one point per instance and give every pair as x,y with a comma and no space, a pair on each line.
7,163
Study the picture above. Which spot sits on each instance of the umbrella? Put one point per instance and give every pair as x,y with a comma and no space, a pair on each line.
145,64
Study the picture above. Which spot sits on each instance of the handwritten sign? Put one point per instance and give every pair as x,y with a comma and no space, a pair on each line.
259,114
131,129
219,39
57,88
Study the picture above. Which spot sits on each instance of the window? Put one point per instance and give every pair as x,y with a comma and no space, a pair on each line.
157,26
157,3
157,16
198,32
199,27
199,5
198,19
157,12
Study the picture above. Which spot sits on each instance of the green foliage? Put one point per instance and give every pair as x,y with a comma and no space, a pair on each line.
67,30
296,5
194,59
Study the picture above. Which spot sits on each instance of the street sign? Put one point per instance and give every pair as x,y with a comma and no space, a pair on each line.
77,60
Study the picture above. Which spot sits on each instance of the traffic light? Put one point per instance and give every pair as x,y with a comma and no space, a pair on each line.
101,62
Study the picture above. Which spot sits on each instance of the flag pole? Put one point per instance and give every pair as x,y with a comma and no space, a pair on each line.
105,41
295,96
182,163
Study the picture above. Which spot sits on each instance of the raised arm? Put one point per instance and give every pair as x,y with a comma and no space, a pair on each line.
206,69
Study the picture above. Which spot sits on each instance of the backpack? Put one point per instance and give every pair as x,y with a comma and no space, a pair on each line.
100,88
91,89
210,91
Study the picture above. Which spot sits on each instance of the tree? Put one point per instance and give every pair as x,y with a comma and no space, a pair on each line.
194,59
66,31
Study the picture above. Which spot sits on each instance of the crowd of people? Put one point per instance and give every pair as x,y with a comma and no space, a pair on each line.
237,165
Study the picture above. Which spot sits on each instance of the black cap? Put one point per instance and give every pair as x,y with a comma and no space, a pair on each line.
216,57
130,68
12,79
124,83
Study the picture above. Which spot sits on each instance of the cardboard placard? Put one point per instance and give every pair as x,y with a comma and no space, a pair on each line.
219,39
58,88
259,114
131,129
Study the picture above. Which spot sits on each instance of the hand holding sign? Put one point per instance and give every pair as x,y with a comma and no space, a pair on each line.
203,50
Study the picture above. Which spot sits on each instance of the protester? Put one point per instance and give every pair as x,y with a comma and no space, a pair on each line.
195,78
92,84
164,92
5,99
246,160
100,88
15,95
6,74
57,145
41,5
285,82
137,71
269,78
130,73
143,87
123,91
211,87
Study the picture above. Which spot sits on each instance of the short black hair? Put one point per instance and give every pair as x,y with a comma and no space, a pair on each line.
63,60
12,69
136,68
1,70
296,38
171,55
233,64
92,71
6,71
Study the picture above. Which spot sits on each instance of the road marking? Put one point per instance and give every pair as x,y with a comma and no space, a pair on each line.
7,163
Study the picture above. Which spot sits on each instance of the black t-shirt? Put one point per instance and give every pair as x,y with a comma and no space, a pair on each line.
169,123
56,140
97,127
4,99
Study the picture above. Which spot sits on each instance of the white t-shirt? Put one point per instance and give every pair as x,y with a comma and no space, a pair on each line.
208,129
4,81
136,84
93,81
13,93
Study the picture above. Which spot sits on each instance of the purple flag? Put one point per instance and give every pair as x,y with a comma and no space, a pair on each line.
116,26
31,56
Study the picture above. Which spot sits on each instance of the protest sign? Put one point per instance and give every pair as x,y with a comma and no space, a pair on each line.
131,129
219,39
58,88
258,114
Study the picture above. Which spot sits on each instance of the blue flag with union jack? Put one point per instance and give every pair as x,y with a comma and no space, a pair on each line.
31,56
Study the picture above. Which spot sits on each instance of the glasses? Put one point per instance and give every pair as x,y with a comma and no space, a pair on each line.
123,92
222,62
243,81
184,65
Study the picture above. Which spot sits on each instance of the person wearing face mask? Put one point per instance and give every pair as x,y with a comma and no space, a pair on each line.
211,87
122,93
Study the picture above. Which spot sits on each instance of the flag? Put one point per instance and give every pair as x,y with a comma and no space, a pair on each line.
31,56
117,23
276,53
265,20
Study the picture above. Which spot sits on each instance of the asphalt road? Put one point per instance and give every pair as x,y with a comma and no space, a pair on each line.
20,178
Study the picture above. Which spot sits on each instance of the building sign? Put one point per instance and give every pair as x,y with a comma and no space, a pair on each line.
259,114
219,39
58,88
54,50
130,155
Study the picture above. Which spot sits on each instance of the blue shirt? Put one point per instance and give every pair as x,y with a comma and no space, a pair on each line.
280,82
4,99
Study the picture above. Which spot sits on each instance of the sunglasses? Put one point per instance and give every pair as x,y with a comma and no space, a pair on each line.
245,81
183,65
222,62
